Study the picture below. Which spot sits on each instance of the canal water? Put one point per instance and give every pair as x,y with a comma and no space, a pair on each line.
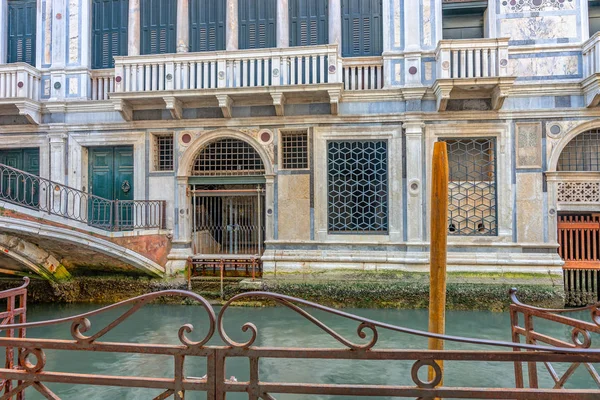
278,326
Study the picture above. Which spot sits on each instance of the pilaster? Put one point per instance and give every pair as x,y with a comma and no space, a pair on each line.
133,28
3,30
231,25
58,147
414,179
183,26
283,24
335,23
59,19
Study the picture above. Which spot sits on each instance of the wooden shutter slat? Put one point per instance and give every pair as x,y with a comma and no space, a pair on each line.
109,31
158,20
257,23
308,22
361,28
21,31
207,25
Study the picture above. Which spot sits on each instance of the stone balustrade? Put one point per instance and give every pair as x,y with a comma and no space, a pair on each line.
228,69
19,80
362,73
102,83
591,56
472,58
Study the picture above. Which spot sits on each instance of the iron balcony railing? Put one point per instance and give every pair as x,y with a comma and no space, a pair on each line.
31,191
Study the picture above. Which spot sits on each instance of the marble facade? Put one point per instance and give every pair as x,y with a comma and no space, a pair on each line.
544,109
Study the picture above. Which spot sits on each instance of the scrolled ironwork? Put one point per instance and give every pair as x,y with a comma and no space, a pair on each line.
40,360
429,384
587,339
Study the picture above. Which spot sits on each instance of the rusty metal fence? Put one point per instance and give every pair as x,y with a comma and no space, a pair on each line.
31,371
37,193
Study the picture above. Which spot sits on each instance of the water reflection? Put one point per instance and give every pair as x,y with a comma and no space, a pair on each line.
278,327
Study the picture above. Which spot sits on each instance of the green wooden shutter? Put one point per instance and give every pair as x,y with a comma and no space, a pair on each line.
257,24
207,25
109,31
308,22
158,19
361,28
21,31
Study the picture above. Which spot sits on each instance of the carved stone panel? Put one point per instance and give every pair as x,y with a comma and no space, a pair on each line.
529,145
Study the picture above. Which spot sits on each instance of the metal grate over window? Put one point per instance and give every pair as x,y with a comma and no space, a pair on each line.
357,186
582,153
294,150
228,157
163,152
472,187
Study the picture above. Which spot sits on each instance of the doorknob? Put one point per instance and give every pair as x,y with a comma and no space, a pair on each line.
125,187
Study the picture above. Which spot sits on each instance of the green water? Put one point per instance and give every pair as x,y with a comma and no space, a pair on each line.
278,326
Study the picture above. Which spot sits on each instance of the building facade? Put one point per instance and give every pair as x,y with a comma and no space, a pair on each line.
299,130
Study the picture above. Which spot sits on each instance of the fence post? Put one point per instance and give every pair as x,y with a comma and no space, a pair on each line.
438,247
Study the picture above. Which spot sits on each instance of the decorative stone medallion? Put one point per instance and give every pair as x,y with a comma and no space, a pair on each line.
265,136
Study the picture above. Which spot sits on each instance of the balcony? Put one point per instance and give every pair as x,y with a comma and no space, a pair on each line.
20,91
273,77
472,69
591,71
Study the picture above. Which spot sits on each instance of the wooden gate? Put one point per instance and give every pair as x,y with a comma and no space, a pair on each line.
579,247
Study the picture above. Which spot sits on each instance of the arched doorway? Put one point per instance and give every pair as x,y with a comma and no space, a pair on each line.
227,191
575,184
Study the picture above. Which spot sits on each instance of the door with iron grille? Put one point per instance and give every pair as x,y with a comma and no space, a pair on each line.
228,221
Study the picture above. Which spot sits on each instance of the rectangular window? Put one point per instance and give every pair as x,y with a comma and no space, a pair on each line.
21,31
207,25
462,20
362,31
294,148
472,187
308,22
109,31
163,152
357,183
158,20
257,24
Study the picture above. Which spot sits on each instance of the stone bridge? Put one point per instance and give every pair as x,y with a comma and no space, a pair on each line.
47,246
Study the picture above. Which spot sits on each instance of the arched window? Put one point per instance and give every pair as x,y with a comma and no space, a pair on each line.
582,153
228,157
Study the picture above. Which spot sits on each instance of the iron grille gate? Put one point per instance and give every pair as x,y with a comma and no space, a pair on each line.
579,247
228,222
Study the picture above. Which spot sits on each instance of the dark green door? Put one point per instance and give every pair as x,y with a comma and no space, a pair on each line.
109,31
111,178
158,20
21,31
362,31
257,23
207,25
308,22
20,188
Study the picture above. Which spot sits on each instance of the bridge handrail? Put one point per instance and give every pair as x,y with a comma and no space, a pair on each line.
24,189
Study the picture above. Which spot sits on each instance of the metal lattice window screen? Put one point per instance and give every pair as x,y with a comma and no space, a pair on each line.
294,150
357,186
472,187
582,153
163,152
228,157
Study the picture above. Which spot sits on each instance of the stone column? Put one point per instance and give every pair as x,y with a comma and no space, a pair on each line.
412,41
3,31
335,23
231,25
414,180
183,26
283,24
269,205
133,28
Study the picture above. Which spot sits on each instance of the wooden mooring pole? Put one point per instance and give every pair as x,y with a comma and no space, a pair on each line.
438,247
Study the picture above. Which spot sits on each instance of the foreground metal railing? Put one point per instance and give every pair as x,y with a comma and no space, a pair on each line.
31,369
14,301
37,193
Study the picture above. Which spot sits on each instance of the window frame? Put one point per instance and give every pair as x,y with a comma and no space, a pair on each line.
156,136
281,158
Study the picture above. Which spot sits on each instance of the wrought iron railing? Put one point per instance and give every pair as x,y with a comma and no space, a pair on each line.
32,371
37,193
